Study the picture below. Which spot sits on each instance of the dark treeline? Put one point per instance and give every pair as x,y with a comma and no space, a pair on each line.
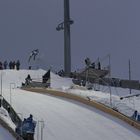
10,65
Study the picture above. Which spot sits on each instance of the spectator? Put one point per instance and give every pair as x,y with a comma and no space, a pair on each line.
134,116
5,64
13,65
30,118
93,65
99,65
30,67
10,65
87,62
18,65
1,65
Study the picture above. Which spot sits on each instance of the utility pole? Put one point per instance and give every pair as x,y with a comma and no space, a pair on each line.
109,75
109,63
129,73
67,46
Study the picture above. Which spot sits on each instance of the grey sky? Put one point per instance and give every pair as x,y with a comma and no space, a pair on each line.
100,27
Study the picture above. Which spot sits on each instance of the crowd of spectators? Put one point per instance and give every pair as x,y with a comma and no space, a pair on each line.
11,65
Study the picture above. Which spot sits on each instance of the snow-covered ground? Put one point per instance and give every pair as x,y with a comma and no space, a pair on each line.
5,117
5,135
65,119
125,106
109,96
3,132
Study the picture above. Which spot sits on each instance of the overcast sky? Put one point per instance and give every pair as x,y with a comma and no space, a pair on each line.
100,27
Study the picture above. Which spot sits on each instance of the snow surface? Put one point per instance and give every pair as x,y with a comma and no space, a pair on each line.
125,106
65,119
5,117
5,135
56,82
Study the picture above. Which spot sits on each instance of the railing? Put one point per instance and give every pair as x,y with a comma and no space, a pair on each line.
13,115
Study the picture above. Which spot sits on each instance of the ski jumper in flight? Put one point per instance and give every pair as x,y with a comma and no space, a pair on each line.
33,54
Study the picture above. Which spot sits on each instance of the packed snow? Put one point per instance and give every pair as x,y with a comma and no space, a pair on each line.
5,135
64,119
5,117
56,80
102,94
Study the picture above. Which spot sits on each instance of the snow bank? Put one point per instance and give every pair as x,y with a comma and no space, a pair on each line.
58,82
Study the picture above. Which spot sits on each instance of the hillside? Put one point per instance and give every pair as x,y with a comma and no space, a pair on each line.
63,119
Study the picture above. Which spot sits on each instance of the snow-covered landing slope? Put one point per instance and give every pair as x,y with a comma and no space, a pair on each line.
66,119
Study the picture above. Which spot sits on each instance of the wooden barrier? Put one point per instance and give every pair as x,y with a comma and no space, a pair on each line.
87,101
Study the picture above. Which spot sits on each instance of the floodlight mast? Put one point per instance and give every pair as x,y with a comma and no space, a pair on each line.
67,49
67,46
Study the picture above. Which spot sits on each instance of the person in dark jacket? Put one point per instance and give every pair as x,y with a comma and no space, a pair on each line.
87,62
18,65
30,118
10,65
5,64
1,65
134,116
28,79
13,65
99,65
